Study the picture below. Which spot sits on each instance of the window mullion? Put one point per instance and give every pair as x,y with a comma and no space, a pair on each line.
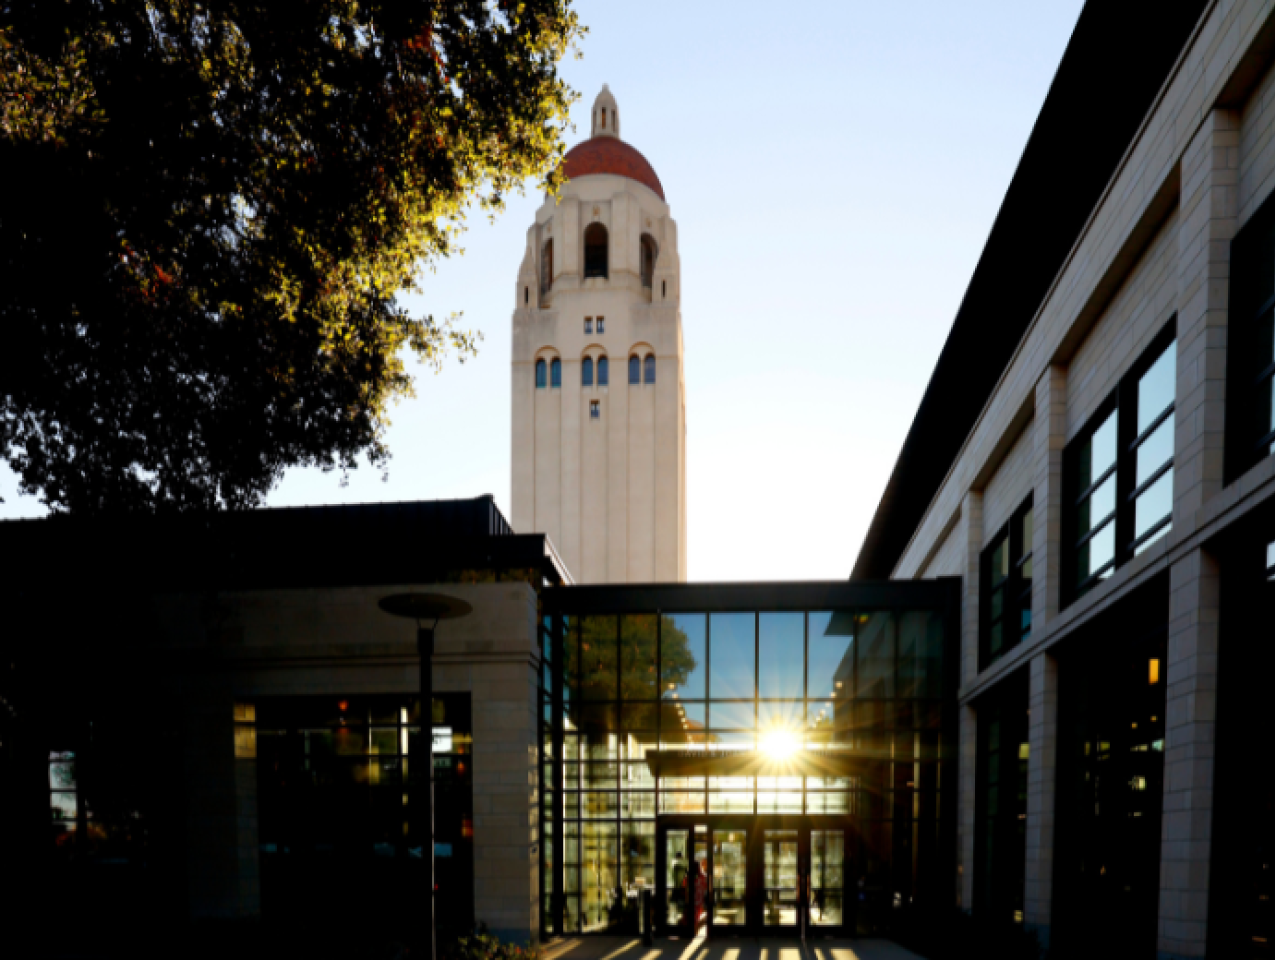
1160,418
1126,465
1159,472
1098,483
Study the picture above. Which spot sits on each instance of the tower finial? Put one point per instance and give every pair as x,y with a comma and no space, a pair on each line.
606,115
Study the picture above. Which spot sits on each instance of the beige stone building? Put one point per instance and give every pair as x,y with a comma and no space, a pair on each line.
599,397
1093,458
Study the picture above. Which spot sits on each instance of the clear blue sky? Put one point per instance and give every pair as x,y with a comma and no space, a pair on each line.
834,169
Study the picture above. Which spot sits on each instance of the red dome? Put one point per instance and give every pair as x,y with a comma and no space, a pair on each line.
610,155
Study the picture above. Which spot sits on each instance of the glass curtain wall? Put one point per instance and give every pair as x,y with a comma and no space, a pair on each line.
1110,785
1001,801
867,681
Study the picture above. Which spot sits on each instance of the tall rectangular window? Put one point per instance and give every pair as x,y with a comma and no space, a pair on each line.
1250,390
1119,471
1095,526
1151,449
1000,800
1006,601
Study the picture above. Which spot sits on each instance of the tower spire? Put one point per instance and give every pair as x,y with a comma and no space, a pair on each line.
606,115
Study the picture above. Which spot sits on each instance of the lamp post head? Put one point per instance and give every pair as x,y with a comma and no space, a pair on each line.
425,606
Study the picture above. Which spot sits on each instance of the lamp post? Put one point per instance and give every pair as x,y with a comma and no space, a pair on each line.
427,608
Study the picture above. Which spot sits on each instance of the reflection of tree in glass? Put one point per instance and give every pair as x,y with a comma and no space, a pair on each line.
592,669
62,773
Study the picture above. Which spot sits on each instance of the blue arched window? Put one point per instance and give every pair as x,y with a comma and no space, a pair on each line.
586,372
635,370
604,372
555,373
650,368
540,374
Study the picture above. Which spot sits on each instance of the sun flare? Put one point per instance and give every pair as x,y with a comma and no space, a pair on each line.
780,743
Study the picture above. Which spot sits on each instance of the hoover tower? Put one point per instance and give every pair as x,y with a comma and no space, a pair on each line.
599,398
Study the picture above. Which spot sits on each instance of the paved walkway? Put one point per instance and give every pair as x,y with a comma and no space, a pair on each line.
630,948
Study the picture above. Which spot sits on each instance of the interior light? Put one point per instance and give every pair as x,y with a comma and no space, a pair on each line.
343,705
1153,672
838,684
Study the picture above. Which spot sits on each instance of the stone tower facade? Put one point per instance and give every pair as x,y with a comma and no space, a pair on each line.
599,397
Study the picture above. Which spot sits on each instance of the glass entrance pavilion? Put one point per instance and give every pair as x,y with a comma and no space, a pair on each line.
763,757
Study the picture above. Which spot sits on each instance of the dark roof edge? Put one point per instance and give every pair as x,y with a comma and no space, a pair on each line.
974,357
701,597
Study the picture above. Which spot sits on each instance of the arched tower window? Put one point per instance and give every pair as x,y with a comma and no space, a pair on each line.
649,364
649,253
595,251
540,374
546,267
555,373
586,372
635,369
604,371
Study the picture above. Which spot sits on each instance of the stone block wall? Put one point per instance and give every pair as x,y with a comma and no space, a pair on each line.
337,641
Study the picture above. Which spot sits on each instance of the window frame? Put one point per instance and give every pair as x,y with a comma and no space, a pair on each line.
648,369
586,372
542,373
604,371
555,373
1073,498
1251,298
635,370
1015,588
1122,403
1130,441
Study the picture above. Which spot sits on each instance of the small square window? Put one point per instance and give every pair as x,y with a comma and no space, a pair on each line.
601,321
588,324
595,410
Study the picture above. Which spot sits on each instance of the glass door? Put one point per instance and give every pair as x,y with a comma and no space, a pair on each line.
827,881
678,890
781,894
682,891
729,881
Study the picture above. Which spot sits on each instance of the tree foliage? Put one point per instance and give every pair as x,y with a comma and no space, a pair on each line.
211,211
